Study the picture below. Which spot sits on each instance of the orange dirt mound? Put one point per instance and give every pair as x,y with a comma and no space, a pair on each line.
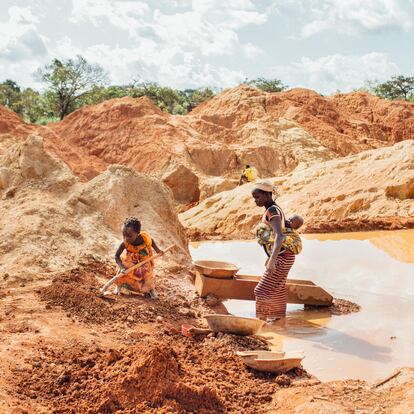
127,131
9,120
208,148
152,376
275,132
77,292
346,123
338,307
12,128
11,123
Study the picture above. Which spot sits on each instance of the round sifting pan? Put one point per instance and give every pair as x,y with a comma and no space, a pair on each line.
219,270
234,324
268,361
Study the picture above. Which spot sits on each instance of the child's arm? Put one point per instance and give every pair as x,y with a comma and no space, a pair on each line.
156,248
118,253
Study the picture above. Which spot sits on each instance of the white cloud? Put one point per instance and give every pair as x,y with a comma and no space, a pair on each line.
336,72
171,48
252,51
175,43
19,37
125,15
358,17
145,62
205,27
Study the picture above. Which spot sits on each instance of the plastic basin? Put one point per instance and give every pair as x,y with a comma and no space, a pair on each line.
220,270
268,361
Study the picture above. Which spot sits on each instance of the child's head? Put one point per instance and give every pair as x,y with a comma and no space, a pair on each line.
131,229
296,221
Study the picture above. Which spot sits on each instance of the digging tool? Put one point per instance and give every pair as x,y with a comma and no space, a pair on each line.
138,265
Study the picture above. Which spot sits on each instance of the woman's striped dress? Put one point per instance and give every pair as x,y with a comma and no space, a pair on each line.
270,292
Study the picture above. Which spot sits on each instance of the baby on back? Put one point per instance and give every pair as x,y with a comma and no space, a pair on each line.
294,222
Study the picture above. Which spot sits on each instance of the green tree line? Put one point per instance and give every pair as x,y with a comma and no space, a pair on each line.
73,83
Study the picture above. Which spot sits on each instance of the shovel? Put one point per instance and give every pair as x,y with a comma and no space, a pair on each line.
138,265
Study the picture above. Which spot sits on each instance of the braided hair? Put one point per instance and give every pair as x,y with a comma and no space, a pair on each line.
134,223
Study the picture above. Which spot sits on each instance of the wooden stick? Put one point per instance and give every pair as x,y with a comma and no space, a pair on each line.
199,331
138,265
389,378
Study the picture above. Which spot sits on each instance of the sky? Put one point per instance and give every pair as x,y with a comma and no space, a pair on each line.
325,45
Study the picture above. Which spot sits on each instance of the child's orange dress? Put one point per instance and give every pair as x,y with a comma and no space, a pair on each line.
142,279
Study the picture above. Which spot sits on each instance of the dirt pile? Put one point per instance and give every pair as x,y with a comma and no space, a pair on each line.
275,132
76,292
49,220
370,190
159,374
135,380
9,120
338,307
346,123
12,128
394,396
189,149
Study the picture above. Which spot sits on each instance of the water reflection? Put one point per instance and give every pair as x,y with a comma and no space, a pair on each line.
398,244
374,270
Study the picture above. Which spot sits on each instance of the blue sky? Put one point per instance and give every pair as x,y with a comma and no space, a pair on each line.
326,45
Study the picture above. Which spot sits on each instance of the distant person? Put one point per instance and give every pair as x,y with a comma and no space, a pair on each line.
270,292
248,175
138,246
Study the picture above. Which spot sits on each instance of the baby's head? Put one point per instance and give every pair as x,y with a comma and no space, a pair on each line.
295,221
131,229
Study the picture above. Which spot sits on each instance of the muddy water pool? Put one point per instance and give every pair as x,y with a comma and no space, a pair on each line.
375,270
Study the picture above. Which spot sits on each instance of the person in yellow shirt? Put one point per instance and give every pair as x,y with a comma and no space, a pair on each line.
248,175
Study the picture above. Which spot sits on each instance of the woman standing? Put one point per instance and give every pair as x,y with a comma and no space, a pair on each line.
270,292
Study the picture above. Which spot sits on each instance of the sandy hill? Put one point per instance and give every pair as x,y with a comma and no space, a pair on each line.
204,152
64,349
49,219
370,190
343,123
196,149
207,149
12,128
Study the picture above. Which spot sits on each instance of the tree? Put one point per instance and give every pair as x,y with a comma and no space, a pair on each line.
32,104
71,80
10,95
195,97
398,87
100,94
164,97
267,85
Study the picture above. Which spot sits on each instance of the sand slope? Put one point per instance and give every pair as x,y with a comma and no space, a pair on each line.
372,189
